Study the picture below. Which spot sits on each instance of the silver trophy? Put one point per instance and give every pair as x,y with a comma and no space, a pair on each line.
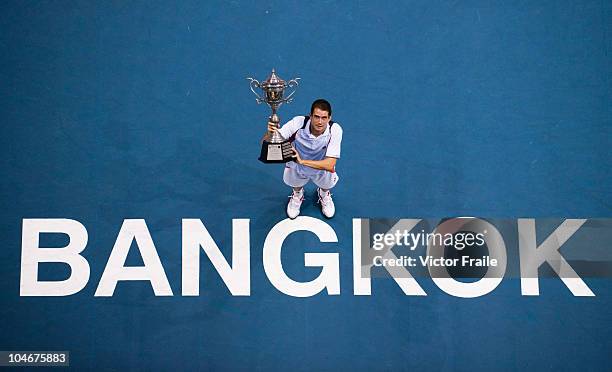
275,149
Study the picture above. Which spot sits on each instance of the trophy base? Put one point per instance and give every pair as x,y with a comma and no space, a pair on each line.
276,152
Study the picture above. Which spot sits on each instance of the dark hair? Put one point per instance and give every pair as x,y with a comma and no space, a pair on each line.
321,104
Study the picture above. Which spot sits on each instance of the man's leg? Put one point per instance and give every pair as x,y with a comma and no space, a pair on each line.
292,178
325,182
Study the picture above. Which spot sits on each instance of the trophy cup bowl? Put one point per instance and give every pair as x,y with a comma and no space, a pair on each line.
274,149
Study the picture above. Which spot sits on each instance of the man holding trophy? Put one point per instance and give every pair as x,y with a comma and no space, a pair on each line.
316,145
309,145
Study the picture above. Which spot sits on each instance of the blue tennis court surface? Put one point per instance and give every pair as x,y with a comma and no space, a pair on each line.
141,110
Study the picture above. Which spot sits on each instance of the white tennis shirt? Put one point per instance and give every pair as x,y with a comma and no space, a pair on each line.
312,147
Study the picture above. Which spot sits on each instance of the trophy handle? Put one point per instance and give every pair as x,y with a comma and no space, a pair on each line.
293,83
256,84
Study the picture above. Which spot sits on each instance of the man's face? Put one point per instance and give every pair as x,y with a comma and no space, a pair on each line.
319,120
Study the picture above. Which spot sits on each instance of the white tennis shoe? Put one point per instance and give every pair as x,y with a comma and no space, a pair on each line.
327,204
295,202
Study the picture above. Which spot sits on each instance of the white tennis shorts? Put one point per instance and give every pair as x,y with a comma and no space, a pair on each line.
294,178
